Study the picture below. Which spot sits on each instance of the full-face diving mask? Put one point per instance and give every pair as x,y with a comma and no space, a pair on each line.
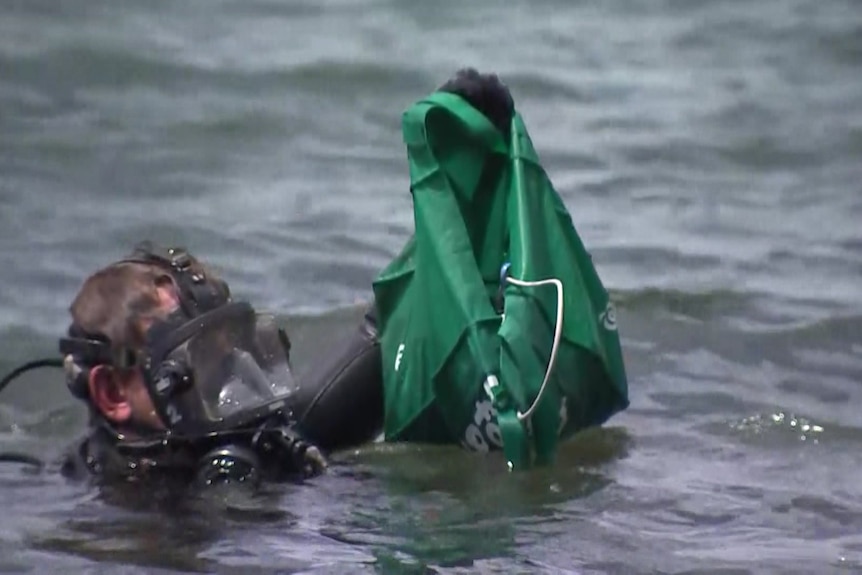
221,370
212,365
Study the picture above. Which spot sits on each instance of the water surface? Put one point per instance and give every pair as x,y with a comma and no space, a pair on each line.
708,153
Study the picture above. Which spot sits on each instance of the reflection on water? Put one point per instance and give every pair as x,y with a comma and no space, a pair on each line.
444,506
387,507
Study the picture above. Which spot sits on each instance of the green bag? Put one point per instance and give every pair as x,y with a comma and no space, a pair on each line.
465,350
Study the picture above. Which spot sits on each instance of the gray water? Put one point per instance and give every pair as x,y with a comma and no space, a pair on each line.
709,153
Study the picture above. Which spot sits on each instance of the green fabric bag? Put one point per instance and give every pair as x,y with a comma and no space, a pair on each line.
465,350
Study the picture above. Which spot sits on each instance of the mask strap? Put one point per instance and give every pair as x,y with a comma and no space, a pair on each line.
197,295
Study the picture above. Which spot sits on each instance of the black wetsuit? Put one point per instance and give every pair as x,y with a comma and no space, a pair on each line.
338,405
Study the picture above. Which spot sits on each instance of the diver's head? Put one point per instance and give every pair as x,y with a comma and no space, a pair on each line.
157,346
118,304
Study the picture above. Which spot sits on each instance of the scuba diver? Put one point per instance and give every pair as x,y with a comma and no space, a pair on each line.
181,380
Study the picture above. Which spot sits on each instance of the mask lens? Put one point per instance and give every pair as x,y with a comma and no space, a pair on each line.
247,384
235,368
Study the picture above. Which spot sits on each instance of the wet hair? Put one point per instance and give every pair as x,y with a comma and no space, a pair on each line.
120,301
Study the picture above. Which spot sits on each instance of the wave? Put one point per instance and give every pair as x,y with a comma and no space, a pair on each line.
117,68
744,311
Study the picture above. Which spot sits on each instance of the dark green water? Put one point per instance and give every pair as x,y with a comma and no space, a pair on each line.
709,153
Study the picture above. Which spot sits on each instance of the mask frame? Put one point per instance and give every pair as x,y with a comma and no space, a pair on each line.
170,378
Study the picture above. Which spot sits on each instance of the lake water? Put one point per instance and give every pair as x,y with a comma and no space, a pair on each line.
709,153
